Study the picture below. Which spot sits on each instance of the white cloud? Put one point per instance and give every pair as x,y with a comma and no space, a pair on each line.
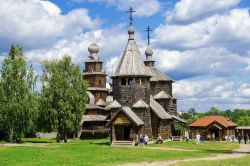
36,24
190,10
228,30
204,61
203,93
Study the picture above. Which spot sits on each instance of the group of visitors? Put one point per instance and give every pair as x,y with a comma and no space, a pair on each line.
143,140
245,137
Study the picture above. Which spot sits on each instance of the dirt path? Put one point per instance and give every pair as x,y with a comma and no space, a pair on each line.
242,151
26,145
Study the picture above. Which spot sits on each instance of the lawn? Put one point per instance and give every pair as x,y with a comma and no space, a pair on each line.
244,161
207,146
97,152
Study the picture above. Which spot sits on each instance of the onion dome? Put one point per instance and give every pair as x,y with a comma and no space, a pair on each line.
149,52
131,32
93,50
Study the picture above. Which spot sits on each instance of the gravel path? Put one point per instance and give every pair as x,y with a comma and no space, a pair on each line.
242,151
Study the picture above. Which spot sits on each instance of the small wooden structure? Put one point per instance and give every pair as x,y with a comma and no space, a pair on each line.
213,127
243,130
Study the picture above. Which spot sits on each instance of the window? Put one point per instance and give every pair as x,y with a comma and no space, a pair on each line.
100,82
123,81
130,81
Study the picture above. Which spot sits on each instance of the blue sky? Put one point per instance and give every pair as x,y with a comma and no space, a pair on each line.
203,45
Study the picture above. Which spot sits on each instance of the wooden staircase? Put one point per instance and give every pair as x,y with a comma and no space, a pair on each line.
123,143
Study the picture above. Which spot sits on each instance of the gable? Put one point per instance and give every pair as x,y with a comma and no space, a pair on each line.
121,118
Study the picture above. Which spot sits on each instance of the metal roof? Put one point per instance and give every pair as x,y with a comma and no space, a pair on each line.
140,104
131,63
158,109
157,75
91,118
162,95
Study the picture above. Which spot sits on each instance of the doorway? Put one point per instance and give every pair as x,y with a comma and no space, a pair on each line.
123,132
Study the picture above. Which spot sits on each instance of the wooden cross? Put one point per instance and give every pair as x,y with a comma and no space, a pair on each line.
148,30
131,11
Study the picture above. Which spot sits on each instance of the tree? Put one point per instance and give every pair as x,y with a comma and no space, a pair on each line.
213,111
17,110
63,96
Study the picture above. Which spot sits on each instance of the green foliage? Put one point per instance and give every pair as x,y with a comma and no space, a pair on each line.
239,116
40,140
17,101
63,96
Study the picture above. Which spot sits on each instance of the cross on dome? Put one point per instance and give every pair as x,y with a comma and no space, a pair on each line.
148,35
131,11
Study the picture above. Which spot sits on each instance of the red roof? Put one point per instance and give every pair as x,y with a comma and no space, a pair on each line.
207,120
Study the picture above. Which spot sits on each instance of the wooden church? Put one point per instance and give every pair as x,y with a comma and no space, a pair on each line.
140,100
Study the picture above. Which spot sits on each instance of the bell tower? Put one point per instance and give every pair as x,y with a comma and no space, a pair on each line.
95,76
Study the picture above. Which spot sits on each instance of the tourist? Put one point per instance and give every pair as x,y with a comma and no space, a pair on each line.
145,140
239,138
213,136
197,138
226,138
232,137
159,139
245,138
209,137
187,136
141,140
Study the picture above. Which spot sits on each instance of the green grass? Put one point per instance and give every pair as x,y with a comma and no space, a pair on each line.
191,145
244,161
96,152
39,140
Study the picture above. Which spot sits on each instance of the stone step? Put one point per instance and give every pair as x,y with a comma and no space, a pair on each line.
122,143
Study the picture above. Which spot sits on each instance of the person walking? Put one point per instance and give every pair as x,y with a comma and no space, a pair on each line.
141,140
239,138
245,139
198,138
146,140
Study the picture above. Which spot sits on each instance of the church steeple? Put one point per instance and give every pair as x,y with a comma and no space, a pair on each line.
149,52
131,63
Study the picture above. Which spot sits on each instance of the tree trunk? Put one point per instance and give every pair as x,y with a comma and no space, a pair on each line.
65,138
74,135
11,135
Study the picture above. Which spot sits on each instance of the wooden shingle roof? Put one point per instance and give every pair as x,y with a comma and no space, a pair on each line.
140,104
207,120
131,63
157,75
158,109
162,95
